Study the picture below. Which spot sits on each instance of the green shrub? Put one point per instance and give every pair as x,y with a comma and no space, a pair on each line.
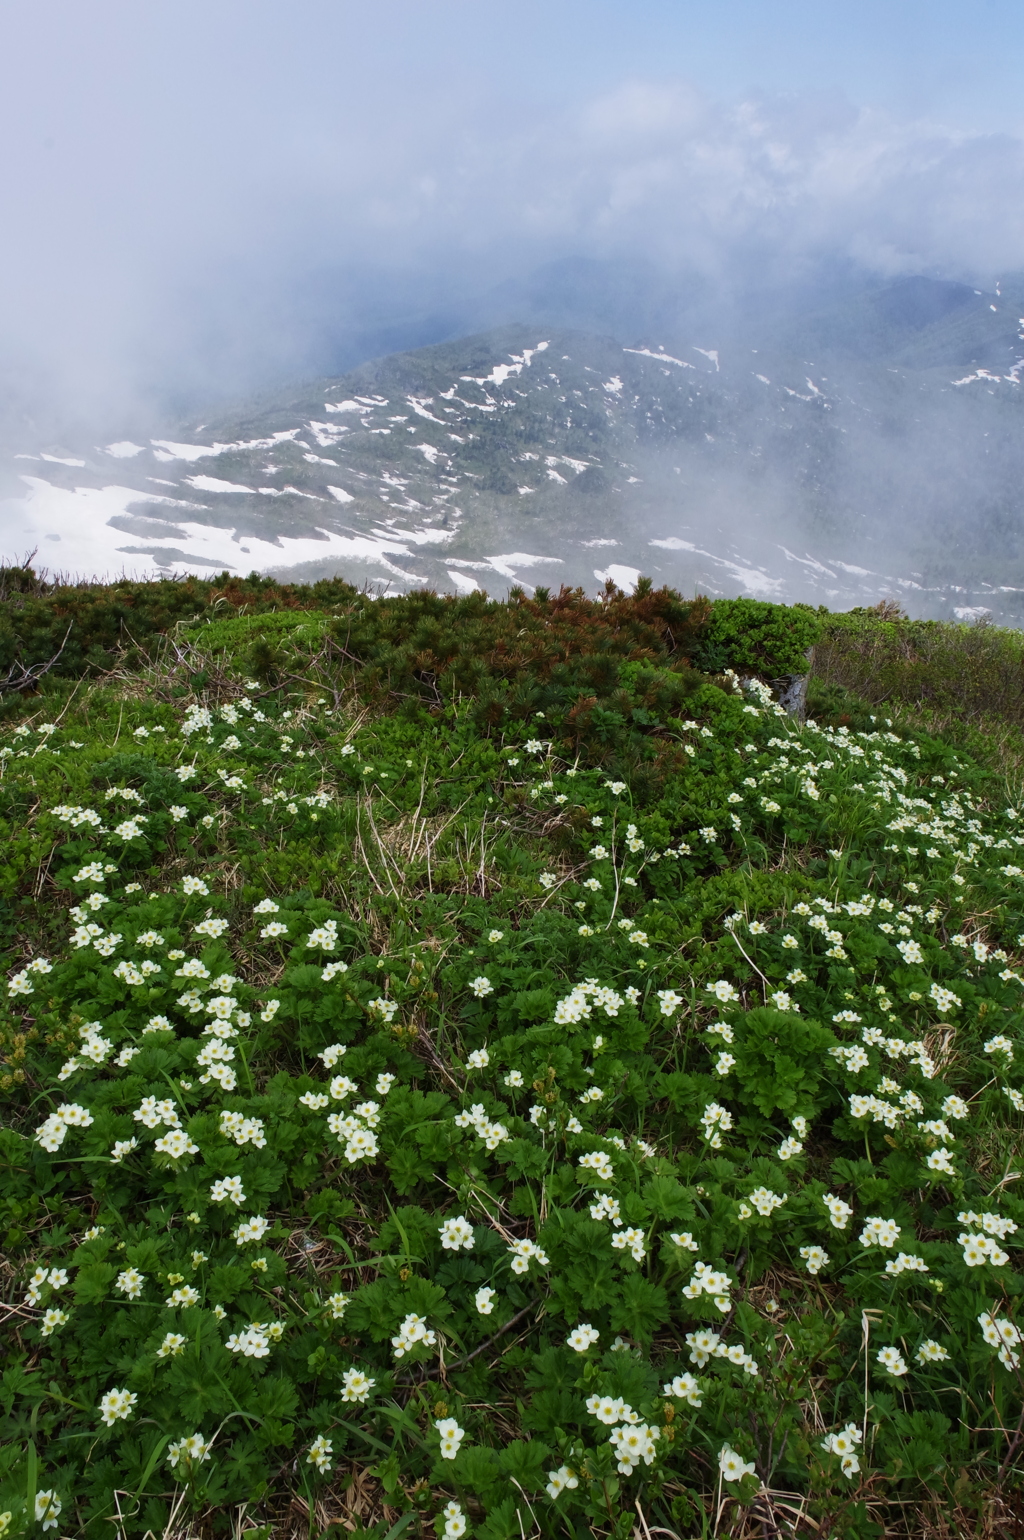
755,637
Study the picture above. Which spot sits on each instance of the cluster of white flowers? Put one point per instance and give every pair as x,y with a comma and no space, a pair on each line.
476,1118
116,1406
52,1132
684,1387
879,1232
631,1240
456,1234
450,1434
412,1332
325,937
766,1201
1002,1333
715,1120
599,1162
845,1444
253,1341
524,1252
320,1452
584,999
706,1280
732,1466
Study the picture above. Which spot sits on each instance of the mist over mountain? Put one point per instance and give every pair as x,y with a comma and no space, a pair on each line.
839,445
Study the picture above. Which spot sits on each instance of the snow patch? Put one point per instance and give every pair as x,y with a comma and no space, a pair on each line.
663,358
80,520
464,583
340,495
623,577
214,484
124,449
753,581
507,565
982,374
419,405
166,449
500,373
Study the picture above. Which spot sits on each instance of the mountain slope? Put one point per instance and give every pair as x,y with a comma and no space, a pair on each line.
870,448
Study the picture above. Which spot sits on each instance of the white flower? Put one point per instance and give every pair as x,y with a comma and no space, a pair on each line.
484,1300
481,986
457,1234
891,1359
839,1212
598,1162
320,1451
182,1299
606,1207
48,1507
355,1385
252,1342
560,1480
732,1465
171,1346
454,1521
413,1330
523,1253
632,1240
814,1257
177,1143
451,1436
879,1232
514,1078
130,1282
116,1406
685,1387
478,1059
931,1352
906,1263
582,1337
228,1189
253,1229
361,1144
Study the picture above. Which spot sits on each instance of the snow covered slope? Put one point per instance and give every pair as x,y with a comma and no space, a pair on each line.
875,450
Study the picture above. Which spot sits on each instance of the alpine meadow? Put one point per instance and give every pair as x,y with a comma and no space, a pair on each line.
538,1067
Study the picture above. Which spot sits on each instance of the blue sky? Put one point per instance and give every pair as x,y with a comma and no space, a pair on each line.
179,175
